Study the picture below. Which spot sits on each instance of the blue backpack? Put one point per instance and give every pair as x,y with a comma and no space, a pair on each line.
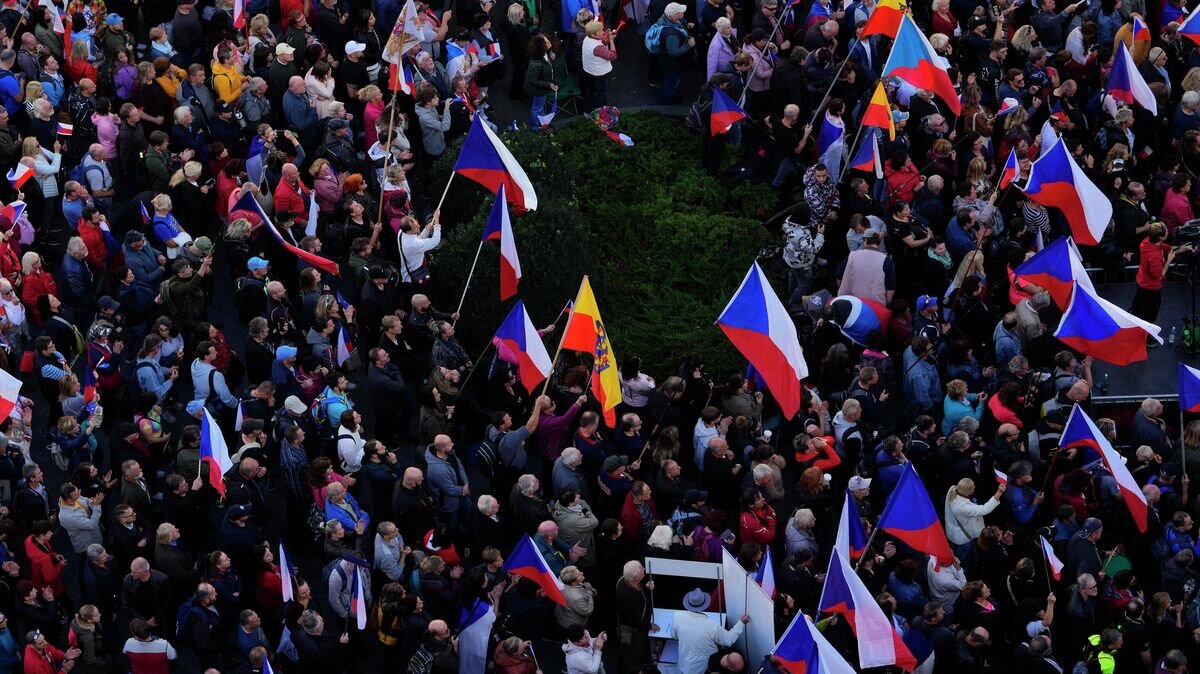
79,173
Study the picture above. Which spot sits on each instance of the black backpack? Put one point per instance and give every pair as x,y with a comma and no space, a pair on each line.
133,388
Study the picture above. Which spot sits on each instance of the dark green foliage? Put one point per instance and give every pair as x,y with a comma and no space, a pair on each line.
665,245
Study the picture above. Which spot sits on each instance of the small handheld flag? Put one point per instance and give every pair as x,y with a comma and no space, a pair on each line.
1189,388
1001,476
145,214
10,391
866,158
65,129
215,452
526,561
1011,169
19,175
358,600
285,572
725,113
345,346
1053,564
765,576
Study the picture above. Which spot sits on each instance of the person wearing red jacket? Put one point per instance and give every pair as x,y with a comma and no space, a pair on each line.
290,194
35,282
46,564
93,236
1155,258
42,657
757,523
638,515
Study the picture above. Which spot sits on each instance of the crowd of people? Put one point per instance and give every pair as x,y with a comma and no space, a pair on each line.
159,269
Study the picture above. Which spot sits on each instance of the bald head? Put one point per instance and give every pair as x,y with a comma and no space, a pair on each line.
442,444
289,170
296,85
413,477
548,530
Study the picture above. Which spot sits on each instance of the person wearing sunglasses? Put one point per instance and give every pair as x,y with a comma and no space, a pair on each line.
42,657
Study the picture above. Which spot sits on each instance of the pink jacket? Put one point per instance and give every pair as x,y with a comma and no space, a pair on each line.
1176,210
106,132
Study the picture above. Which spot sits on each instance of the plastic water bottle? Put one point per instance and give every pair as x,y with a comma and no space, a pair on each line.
1171,337
1104,382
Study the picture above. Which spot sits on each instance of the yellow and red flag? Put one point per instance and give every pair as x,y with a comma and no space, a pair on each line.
585,332
885,20
879,112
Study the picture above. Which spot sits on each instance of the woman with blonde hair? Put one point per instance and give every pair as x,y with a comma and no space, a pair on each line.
260,33
971,264
33,91
964,517
46,164
35,282
164,225
977,170
372,99
1024,40
959,403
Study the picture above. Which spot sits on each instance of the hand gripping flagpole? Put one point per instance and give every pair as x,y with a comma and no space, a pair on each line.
387,153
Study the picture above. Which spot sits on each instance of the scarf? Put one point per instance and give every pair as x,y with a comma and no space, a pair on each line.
944,260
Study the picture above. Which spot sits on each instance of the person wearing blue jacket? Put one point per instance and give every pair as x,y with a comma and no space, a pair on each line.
299,113
446,480
922,386
143,260
341,506
889,464
958,404
1021,501
78,286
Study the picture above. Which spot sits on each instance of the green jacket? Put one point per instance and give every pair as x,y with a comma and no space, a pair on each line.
158,169
539,77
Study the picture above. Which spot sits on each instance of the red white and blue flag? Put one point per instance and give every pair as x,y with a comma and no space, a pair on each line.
1189,388
1001,476
765,576
145,214
1096,327
1055,180
1141,32
1081,432
724,114
851,538
358,599
1007,106
10,391
1189,27
1053,564
857,317
1057,268
527,562
19,175
239,14
345,346
1125,81
761,329
65,129
247,202
485,160
215,452
285,573
910,517
913,60
878,643
499,228
475,628
867,158
1011,171
400,78
619,138
804,650
521,339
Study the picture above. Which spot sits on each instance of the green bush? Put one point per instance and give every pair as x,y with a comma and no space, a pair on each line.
665,245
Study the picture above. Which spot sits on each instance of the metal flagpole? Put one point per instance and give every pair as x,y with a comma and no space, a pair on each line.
470,275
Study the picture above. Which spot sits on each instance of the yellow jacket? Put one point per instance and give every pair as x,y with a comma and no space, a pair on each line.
227,83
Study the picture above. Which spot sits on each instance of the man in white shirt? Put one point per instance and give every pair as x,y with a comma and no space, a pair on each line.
709,426
698,636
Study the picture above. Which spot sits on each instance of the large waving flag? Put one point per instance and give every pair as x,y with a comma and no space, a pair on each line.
358,599
1189,389
851,538
879,110
803,650
519,335
1190,27
1053,563
499,226
1057,267
886,18
485,160
585,332
867,158
914,61
1056,180
10,391
878,643
725,113
404,35
474,630
1011,171
857,317
761,329
765,576
910,517
214,451
527,562
249,203
1125,81
831,145
1102,330
400,78
285,572
1081,431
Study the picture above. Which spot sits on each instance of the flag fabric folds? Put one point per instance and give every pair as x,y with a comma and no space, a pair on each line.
518,334
345,346
1056,180
1141,32
215,452
851,538
1057,267
400,78
857,317
725,113
879,110
886,19
1053,563
358,599
485,160
1094,326
310,228
765,576
913,60
285,572
10,391
499,228
759,326
803,650
65,129
1081,431
619,138
585,332
1125,81
19,175
831,145
526,561
475,627
878,643
1001,476
1011,169
1189,389
910,517
249,203
1190,26
866,157
404,35
239,14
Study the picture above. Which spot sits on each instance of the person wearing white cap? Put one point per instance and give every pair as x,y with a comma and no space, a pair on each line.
698,636
675,46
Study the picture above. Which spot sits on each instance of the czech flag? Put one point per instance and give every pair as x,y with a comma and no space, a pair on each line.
214,450
10,391
358,599
310,228
1189,27
485,160
545,119
765,576
239,14
474,630
400,78
89,381
14,211
845,594
145,214
1102,330
914,61
831,145
879,110
239,417
857,317
1141,32
803,650
866,158
725,113
1081,431
1001,476
19,175
619,138
1053,563
527,562
851,538
518,334
761,329
1012,169
1189,388
345,346
1125,81
499,227
886,19
910,517
585,332
1057,268
285,572
247,202
1055,180
65,129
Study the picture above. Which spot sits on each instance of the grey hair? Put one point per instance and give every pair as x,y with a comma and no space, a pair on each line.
569,574
1190,99
181,112
28,470
331,527
485,503
75,245
526,484
571,456
760,471
804,518
94,552
631,570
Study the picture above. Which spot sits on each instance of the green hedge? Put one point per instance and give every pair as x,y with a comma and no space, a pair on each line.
665,245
